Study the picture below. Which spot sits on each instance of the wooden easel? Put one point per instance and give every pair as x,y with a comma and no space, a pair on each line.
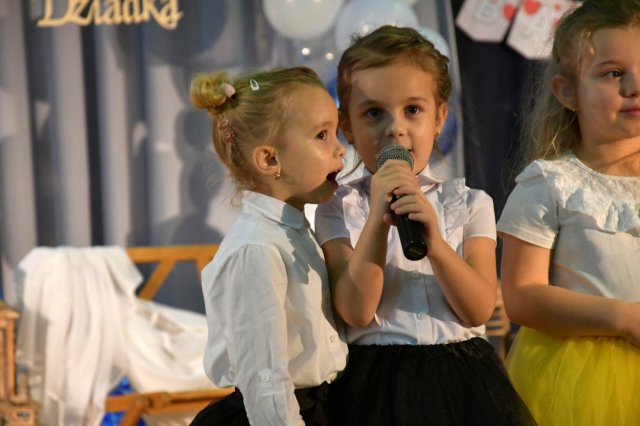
16,406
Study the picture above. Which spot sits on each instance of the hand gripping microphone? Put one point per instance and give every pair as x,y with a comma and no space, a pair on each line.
411,238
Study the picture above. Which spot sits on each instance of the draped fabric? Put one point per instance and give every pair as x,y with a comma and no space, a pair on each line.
79,312
99,143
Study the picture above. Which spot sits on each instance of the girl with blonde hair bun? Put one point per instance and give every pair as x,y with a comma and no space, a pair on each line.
272,333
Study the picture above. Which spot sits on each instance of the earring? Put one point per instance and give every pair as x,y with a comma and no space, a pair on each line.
277,175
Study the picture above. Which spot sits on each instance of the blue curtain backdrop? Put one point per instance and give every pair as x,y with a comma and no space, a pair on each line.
100,145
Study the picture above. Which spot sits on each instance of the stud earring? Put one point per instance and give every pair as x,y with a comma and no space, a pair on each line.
277,175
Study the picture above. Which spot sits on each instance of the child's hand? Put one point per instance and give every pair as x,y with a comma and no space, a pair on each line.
411,201
392,175
631,323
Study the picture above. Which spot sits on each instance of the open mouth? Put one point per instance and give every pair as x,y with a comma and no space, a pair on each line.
333,176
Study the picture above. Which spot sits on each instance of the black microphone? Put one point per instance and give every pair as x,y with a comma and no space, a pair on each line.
411,238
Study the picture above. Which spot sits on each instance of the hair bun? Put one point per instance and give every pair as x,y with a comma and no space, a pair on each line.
211,91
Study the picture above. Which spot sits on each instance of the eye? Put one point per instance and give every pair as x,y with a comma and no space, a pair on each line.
373,112
613,74
412,109
322,135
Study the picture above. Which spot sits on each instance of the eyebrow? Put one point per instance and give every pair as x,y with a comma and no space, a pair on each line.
323,125
607,63
368,102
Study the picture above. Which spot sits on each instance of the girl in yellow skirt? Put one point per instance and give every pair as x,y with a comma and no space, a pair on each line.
571,227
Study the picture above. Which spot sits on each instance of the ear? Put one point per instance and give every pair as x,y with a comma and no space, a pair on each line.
345,127
565,92
265,160
441,116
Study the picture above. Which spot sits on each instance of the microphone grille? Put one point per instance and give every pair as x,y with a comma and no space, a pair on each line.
394,152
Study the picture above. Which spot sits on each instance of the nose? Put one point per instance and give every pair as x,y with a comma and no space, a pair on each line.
630,85
395,127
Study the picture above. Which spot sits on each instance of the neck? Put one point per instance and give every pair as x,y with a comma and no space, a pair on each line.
620,158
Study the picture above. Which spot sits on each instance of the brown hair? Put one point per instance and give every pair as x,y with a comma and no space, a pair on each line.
552,128
388,44
250,113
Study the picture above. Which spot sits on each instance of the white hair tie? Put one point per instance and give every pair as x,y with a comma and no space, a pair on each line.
227,89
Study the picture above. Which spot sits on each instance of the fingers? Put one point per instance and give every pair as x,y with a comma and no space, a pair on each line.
394,178
412,202
389,219
395,175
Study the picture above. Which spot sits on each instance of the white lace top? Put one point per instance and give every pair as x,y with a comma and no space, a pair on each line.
589,219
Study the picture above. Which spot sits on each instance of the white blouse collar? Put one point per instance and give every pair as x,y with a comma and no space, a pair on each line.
273,209
425,178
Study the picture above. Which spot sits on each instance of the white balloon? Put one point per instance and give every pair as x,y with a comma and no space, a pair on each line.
436,39
363,16
302,19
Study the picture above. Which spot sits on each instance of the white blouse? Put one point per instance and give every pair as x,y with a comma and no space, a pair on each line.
590,220
413,309
269,313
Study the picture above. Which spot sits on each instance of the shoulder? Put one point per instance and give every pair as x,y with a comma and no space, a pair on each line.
456,191
348,198
241,263
344,216
249,241
561,173
236,252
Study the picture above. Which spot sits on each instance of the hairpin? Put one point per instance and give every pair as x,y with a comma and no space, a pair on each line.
227,89
227,132
254,85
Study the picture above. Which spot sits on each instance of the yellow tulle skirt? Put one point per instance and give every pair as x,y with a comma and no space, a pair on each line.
578,381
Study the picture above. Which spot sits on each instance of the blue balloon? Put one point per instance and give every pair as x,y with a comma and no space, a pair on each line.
332,88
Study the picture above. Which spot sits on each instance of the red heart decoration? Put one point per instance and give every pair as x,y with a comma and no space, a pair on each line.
531,6
508,10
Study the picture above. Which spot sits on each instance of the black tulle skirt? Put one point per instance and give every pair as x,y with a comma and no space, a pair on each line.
230,411
463,383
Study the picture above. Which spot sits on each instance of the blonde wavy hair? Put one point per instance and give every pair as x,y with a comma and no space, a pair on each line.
551,128
247,111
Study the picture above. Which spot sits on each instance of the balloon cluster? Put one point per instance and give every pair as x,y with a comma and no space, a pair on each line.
308,19
307,24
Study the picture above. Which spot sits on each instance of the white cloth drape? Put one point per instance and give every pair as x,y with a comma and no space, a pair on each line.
82,327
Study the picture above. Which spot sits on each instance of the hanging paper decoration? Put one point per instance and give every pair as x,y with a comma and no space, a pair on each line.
487,20
532,30
530,23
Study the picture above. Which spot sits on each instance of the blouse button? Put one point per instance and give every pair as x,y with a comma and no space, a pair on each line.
265,378
333,338
420,316
415,274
